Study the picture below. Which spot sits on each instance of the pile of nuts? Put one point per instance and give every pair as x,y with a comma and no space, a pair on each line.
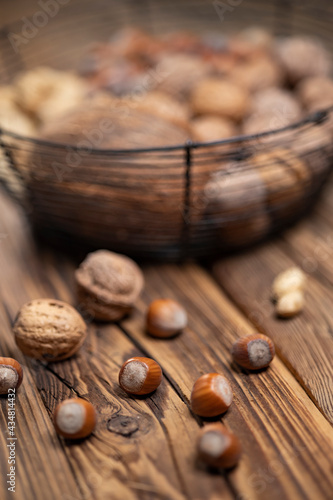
140,91
288,292
51,330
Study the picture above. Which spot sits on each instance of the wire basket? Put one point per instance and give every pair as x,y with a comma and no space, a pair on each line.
182,200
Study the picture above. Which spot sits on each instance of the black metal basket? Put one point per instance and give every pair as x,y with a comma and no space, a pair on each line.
167,209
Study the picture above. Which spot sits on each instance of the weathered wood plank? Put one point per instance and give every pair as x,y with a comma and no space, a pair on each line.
144,463
305,342
285,437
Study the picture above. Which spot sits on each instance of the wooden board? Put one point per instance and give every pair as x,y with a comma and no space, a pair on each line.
144,448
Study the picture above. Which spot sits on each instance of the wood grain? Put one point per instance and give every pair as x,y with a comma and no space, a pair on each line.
144,448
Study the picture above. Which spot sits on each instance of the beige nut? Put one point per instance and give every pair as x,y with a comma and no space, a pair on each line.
258,73
303,56
290,304
209,128
316,92
217,96
49,329
290,280
108,284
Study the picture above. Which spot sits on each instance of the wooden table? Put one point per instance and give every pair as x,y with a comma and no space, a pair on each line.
145,448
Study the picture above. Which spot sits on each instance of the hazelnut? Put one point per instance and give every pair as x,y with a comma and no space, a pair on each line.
253,352
290,304
217,96
49,329
211,395
11,374
165,318
74,418
218,447
108,284
303,56
290,280
140,376
209,128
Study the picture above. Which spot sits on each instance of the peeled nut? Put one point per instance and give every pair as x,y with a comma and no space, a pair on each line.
140,376
165,318
11,375
217,96
211,395
108,284
218,447
49,329
293,279
75,418
290,304
253,352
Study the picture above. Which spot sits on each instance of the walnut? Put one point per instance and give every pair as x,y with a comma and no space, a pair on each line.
217,96
108,284
303,56
316,92
163,106
258,73
49,329
208,128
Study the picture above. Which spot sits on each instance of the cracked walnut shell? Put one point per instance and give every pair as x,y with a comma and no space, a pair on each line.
108,284
49,329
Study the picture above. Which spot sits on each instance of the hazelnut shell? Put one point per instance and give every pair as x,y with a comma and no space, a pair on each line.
253,352
218,447
88,418
140,376
11,374
211,395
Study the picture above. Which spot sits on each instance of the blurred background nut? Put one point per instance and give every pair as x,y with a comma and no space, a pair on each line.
303,56
258,73
278,102
315,92
209,128
49,330
46,93
179,73
164,106
217,96
108,284
165,318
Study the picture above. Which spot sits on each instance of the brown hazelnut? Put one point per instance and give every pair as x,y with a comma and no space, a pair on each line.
11,375
165,318
217,96
211,395
303,56
140,376
209,128
108,284
49,329
253,352
218,447
74,418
